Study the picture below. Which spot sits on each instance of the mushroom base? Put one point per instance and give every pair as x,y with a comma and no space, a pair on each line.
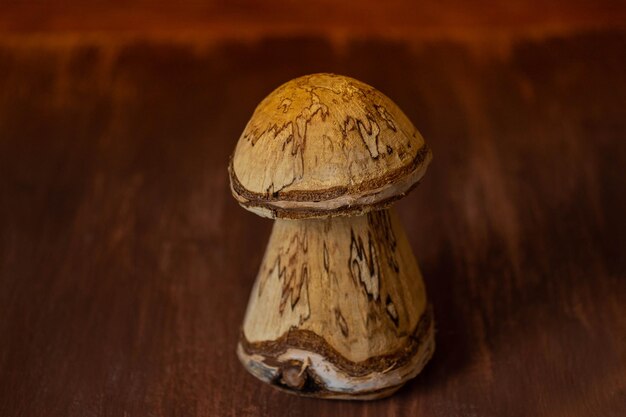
308,373
338,309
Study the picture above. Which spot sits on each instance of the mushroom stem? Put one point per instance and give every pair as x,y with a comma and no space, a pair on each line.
338,309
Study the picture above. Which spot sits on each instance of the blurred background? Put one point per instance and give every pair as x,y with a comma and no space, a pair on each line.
125,265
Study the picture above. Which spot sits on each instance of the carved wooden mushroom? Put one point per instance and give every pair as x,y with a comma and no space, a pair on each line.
338,309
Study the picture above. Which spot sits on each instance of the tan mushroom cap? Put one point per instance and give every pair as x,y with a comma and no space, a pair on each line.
324,145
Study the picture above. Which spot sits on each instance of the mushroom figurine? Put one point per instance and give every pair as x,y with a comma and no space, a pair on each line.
338,309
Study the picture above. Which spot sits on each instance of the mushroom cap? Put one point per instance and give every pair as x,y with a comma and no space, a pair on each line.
324,145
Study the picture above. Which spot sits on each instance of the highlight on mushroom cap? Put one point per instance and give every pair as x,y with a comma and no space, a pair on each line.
324,145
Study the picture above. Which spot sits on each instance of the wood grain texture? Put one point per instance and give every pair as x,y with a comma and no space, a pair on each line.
125,265
338,309
325,144
253,18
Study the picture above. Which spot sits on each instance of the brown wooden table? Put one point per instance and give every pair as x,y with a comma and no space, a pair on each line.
125,265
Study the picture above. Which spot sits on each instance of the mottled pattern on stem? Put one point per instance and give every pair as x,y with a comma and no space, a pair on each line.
352,281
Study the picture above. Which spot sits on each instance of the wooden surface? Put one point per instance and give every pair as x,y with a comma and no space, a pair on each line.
125,264
254,18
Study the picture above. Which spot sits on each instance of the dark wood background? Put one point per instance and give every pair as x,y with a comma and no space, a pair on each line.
125,265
